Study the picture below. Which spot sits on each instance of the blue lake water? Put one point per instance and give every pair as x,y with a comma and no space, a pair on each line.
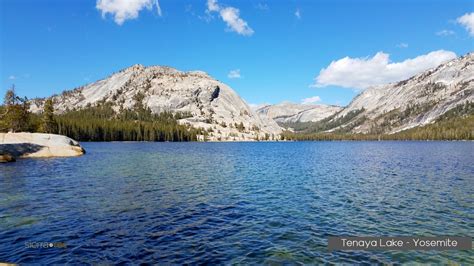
224,203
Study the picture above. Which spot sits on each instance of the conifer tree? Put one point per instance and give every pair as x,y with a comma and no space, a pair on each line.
49,124
16,115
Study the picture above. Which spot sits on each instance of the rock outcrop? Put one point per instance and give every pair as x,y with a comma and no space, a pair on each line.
37,145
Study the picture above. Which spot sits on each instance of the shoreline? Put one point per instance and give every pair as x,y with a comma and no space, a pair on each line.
285,141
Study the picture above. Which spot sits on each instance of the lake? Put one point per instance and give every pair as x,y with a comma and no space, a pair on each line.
225,203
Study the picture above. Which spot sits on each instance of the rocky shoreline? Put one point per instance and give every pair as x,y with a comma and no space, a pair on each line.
37,145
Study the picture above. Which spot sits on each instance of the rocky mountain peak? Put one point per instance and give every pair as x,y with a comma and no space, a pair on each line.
211,105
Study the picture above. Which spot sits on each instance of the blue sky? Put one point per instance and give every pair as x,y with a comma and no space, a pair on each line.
277,47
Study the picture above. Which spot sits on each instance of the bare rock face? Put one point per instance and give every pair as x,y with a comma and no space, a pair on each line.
37,145
288,112
417,101
212,105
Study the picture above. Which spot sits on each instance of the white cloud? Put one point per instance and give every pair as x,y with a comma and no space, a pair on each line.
262,6
360,73
402,45
256,106
298,13
231,16
212,5
123,10
12,77
234,74
311,100
468,22
445,33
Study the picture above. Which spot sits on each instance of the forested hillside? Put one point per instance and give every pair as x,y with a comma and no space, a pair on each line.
96,123
456,124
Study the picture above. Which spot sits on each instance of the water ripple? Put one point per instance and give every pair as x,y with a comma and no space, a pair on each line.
236,203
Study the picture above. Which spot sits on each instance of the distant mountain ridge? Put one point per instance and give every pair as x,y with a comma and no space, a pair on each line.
288,112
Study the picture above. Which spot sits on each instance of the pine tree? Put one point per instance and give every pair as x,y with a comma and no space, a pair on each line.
240,126
16,115
49,124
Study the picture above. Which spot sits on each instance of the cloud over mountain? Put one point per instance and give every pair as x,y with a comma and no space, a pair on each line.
311,100
360,73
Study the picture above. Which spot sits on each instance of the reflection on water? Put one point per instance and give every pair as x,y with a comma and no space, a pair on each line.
236,202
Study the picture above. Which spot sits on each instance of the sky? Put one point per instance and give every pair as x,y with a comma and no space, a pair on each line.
325,51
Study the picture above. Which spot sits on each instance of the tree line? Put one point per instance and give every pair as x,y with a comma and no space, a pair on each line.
101,122
95,123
